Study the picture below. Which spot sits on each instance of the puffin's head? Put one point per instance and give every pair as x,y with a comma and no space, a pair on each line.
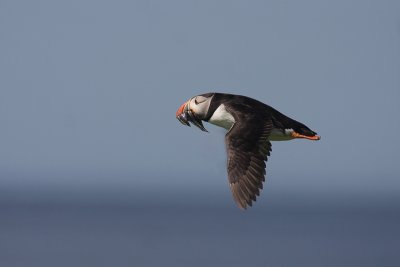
195,110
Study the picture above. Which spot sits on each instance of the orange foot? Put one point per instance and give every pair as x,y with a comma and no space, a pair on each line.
297,135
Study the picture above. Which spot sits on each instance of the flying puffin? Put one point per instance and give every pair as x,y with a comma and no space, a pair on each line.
251,126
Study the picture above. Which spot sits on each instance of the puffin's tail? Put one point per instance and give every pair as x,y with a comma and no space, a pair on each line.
302,131
299,129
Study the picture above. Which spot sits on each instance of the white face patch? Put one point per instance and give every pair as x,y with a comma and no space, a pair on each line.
222,118
199,105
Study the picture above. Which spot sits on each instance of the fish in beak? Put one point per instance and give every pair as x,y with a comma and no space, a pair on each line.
185,115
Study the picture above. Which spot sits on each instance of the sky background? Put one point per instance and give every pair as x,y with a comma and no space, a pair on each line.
89,91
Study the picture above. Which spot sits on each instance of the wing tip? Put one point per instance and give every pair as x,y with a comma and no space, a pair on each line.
244,198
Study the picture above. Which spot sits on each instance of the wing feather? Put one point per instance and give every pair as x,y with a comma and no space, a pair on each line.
247,148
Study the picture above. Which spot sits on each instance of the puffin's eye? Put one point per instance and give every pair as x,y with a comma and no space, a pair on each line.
199,99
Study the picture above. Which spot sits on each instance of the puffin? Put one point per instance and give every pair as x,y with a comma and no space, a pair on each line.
251,126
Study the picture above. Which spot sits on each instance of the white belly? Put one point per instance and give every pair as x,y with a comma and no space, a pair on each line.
280,135
222,118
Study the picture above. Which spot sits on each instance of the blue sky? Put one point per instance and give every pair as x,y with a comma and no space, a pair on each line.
89,90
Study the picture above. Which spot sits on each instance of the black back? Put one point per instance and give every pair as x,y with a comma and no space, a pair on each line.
265,112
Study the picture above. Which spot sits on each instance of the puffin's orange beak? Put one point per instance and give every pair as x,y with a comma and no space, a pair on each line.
181,109
185,115
181,114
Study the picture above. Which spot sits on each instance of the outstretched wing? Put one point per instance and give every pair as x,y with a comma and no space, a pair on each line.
247,148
